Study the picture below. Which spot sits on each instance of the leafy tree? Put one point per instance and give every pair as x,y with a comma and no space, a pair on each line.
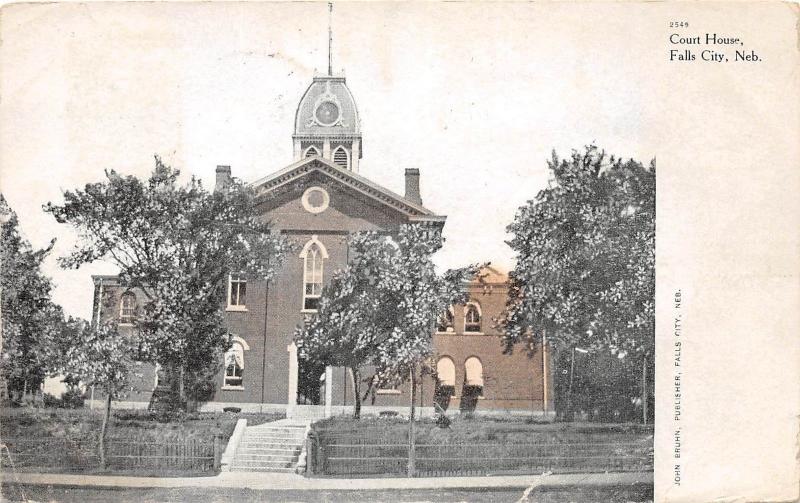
101,357
177,244
345,332
585,251
381,310
31,322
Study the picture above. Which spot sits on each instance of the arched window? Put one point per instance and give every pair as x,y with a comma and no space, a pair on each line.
311,151
313,255
127,308
474,372
472,317
340,157
445,321
446,371
234,366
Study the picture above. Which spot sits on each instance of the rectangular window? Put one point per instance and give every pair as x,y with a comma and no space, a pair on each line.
237,292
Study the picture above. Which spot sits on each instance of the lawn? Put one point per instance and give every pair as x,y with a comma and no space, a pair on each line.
476,446
42,422
140,443
474,429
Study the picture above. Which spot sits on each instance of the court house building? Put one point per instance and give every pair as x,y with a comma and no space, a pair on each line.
317,201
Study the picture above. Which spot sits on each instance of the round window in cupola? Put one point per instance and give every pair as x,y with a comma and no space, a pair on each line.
327,113
315,200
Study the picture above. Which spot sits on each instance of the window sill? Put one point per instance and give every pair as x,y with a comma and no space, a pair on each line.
233,388
125,324
236,309
309,311
388,392
447,332
473,333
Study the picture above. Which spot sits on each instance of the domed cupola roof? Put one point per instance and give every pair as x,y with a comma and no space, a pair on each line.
327,109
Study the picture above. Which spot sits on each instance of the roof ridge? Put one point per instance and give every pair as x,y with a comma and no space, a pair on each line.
422,210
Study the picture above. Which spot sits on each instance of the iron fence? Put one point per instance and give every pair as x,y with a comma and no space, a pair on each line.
122,453
386,452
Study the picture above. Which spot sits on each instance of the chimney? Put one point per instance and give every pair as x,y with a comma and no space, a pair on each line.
223,178
412,186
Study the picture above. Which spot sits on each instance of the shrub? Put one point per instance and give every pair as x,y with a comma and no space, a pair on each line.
50,401
72,398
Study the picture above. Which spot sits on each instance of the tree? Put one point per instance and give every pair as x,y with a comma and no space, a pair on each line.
100,357
177,244
346,331
585,250
382,309
31,322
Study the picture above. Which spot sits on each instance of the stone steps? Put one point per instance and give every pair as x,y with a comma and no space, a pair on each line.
269,448
277,458
266,448
273,438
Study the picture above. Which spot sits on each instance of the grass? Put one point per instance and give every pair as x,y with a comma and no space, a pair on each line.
42,422
474,446
489,429
36,431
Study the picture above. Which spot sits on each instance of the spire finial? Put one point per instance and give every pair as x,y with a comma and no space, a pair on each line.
330,37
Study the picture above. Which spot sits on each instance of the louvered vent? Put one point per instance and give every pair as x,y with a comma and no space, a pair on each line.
312,151
340,157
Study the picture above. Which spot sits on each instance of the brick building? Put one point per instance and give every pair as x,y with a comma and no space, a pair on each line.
317,201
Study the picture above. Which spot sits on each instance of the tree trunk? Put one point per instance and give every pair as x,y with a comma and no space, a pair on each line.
104,430
556,389
356,392
181,388
569,416
411,453
644,389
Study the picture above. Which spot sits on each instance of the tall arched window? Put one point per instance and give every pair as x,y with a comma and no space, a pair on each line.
234,366
472,317
446,371
311,151
127,308
474,372
340,157
313,256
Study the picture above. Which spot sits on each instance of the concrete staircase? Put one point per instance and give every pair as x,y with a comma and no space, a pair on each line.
270,447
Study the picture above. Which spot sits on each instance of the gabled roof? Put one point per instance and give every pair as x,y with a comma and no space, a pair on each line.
316,164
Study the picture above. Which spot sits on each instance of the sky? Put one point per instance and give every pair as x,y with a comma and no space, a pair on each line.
475,96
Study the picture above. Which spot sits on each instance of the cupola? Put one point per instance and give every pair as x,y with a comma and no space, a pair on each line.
327,124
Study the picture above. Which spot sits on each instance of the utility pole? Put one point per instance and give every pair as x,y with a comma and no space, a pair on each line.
545,370
644,389
411,454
